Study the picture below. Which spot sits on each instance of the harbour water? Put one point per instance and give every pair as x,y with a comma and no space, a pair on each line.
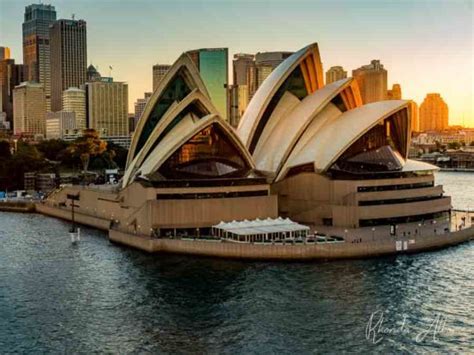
97,297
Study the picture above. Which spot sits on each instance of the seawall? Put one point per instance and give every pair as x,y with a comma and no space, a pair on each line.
267,251
17,206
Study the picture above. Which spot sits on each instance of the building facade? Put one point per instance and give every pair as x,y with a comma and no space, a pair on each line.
4,53
36,45
372,81
68,58
214,70
74,100
395,93
11,75
159,71
434,113
92,74
335,73
140,106
60,125
107,108
29,109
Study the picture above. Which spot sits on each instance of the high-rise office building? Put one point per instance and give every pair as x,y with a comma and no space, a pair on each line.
241,64
272,59
36,45
11,75
92,74
74,100
214,70
265,63
140,106
159,71
4,53
29,109
68,58
107,108
372,80
335,73
415,118
395,93
60,125
434,113
244,71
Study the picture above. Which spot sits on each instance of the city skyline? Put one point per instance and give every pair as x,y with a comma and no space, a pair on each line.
419,51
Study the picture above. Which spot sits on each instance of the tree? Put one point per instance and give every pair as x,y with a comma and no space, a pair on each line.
52,148
5,150
118,154
87,146
454,145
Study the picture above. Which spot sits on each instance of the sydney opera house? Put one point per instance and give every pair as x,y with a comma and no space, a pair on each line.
303,150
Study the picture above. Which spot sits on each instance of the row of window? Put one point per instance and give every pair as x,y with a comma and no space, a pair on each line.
404,219
399,200
395,187
199,196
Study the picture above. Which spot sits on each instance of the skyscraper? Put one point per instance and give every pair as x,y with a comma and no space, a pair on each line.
107,108
140,106
241,64
92,74
159,71
74,100
272,59
434,114
29,109
36,45
395,93
415,118
214,69
4,53
335,73
11,75
265,63
372,80
68,58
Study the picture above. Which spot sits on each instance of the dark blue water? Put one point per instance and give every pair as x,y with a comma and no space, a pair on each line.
99,297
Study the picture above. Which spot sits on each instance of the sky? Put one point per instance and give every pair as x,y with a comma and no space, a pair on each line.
426,45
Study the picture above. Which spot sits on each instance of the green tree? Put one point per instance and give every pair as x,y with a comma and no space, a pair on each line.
118,154
87,146
52,148
454,145
5,150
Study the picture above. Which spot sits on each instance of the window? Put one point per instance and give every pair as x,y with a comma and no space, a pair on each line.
209,154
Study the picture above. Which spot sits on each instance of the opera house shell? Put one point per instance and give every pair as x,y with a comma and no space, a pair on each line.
304,150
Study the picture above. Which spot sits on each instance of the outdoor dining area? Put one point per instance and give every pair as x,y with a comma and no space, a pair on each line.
270,230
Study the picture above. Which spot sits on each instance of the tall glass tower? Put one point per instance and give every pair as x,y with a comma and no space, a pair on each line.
214,69
36,46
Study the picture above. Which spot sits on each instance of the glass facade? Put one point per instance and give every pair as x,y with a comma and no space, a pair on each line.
296,85
177,90
382,148
209,154
195,110
213,67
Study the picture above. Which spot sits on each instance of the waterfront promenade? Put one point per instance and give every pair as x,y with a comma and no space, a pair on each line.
358,243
